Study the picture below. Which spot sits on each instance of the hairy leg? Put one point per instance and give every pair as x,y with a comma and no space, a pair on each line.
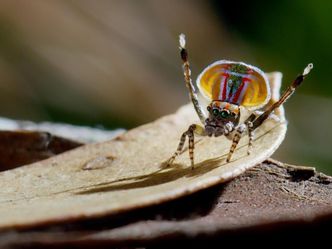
193,129
254,121
289,92
236,139
250,135
188,80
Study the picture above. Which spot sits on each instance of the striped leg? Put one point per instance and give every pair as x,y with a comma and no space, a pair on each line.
255,120
236,140
191,147
179,149
249,126
289,92
188,80
251,136
197,129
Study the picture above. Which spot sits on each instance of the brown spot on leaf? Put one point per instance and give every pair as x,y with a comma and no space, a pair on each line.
98,163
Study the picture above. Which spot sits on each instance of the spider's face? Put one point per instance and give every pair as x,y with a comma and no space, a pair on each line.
221,114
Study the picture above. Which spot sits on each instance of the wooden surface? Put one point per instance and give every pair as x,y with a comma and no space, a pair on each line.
270,201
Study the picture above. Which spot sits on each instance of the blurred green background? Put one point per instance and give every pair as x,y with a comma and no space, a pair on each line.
116,63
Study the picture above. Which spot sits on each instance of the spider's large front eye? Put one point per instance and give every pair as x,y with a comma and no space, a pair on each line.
215,112
224,114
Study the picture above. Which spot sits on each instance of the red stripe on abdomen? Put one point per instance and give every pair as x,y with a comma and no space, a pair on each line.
239,90
224,90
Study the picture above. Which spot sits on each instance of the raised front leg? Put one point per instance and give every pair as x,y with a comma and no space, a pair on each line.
193,129
289,92
254,120
188,80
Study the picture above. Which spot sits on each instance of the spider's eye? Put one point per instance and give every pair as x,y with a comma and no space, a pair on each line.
215,112
224,114
209,108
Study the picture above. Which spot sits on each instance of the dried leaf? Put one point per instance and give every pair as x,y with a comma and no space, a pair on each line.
59,189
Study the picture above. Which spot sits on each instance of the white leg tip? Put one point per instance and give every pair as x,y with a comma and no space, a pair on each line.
182,41
308,69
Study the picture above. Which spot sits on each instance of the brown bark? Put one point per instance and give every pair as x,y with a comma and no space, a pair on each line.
271,200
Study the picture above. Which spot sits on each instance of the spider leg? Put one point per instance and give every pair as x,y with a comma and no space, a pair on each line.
193,129
250,135
236,139
289,92
254,121
248,126
188,80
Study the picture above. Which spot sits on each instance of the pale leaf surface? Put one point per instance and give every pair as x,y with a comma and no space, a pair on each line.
127,172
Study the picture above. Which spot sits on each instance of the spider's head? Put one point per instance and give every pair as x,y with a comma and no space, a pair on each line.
220,114
223,112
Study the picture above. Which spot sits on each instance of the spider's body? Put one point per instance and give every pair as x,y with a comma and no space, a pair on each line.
223,118
229,85
236,83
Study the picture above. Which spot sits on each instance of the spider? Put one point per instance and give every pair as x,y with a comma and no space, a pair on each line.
229,85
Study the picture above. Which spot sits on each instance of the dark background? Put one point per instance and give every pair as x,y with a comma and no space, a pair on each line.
116,63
